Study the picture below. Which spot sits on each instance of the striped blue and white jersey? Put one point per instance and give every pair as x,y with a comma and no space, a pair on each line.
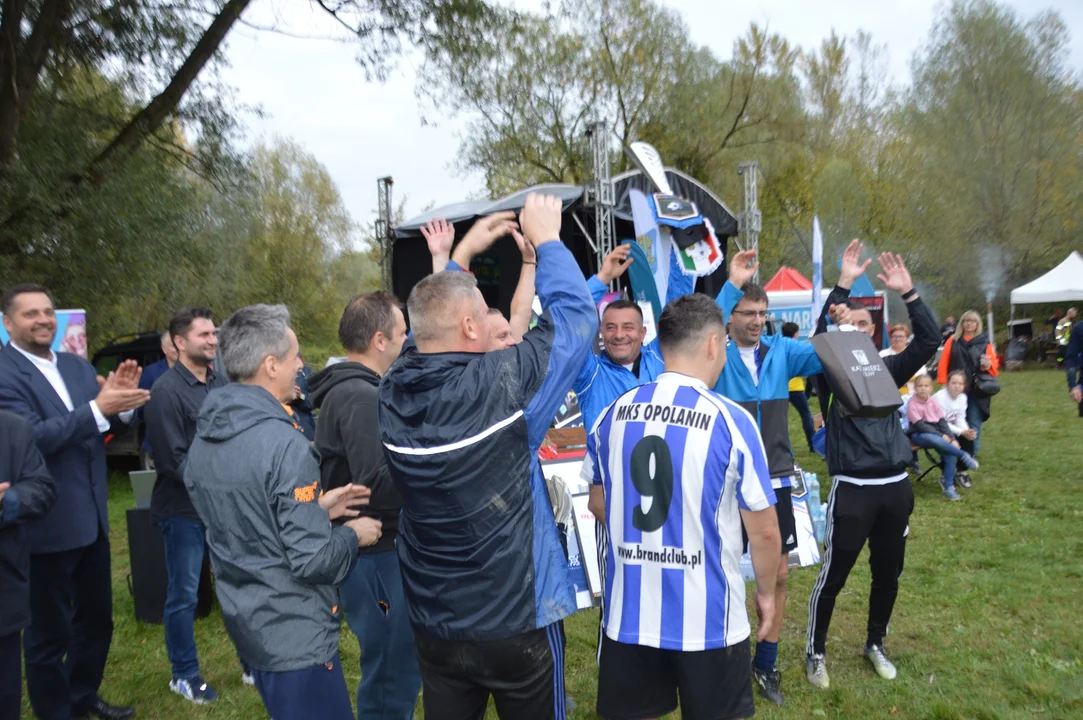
678,463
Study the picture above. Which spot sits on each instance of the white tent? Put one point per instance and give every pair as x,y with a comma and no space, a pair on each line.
1064,283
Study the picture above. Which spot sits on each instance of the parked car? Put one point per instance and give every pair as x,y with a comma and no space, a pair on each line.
146,349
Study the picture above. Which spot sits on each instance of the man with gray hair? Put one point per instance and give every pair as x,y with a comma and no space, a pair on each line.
482,567
255,482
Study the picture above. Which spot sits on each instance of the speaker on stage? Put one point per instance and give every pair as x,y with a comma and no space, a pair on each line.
147,579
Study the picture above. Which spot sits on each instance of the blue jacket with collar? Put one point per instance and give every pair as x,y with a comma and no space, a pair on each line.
780,359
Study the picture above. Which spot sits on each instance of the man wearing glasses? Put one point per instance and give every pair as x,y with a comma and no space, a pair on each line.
756,376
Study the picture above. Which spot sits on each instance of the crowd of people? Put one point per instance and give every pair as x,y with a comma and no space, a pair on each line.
415,508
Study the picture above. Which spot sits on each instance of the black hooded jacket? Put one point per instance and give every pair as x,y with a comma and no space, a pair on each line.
349,442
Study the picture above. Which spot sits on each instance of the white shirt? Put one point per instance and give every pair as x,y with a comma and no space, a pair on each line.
51,371
748,355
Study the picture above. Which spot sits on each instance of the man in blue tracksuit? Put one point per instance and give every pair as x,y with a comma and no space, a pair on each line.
626,362
483,570
756,376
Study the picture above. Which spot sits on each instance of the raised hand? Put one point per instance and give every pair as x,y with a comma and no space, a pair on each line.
840,314
895,276
852,267
343,501
615,264
440,236
368,530
484,232
743,267
113,399
127,375
540,218
529,254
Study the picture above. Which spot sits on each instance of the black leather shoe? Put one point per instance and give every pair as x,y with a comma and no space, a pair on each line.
101,709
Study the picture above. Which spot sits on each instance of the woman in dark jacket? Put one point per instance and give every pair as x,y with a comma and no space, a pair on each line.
969,350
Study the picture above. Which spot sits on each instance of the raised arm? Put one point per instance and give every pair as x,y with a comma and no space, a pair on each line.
523,300
482,235
615,264
926,340
552,353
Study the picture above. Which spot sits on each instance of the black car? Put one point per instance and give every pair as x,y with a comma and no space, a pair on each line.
146,349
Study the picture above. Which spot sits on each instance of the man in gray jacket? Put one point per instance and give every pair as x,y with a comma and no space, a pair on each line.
255,483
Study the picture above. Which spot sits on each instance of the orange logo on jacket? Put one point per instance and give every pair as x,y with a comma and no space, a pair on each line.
306,493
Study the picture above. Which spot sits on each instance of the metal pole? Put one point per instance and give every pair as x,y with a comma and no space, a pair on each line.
600,195
385,231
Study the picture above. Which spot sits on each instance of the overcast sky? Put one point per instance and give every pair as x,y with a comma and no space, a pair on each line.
314,92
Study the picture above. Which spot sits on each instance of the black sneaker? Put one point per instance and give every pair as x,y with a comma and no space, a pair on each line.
768,682
962,480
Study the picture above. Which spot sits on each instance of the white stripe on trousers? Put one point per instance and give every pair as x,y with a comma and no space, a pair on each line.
814,599
556,647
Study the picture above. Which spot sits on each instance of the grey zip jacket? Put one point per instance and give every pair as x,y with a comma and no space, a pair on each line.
255,481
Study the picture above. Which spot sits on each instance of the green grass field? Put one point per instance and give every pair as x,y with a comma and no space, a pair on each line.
986,626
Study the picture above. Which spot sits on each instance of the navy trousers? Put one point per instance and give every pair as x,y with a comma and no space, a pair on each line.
315,692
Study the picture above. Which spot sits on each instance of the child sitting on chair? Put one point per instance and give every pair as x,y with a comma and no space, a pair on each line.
929,429
952,399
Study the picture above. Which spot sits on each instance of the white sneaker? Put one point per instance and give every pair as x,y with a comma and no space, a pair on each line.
878,659
248,678
816,671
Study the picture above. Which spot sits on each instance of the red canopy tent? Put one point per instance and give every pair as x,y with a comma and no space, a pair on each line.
787,279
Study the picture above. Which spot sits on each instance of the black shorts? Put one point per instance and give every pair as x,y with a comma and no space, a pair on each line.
787,526
524,674
637,682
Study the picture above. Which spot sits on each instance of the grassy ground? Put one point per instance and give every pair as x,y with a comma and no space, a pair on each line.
986,625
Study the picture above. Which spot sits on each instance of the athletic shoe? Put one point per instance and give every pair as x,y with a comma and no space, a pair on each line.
963,480
943,487
969,461
248,678
195,690
878,659
768,681
952,494
816,671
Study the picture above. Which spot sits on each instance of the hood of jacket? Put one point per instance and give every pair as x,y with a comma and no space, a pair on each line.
319,384
235,408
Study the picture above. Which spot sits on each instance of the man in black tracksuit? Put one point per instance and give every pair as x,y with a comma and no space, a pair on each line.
372,330
871,498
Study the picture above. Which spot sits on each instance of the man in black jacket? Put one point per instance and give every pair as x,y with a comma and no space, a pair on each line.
171,418
27,492
372,330
871,498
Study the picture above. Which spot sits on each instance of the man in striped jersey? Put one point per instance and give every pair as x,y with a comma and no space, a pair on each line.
680,468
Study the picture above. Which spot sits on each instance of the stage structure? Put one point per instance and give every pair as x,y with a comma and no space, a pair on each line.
750,220
600,196
385,228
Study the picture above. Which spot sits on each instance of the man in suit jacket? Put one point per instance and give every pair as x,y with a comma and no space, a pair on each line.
26,493
71,595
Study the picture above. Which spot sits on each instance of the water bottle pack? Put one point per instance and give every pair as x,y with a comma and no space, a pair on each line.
817,510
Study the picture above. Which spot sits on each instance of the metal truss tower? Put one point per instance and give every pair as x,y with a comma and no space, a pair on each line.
750,220
385,231
600,194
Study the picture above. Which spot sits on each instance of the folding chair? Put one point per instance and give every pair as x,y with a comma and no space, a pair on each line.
935,461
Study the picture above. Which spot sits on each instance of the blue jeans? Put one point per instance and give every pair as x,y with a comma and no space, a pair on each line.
974,420
185,542
948,453
315,692
375,609
800,401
